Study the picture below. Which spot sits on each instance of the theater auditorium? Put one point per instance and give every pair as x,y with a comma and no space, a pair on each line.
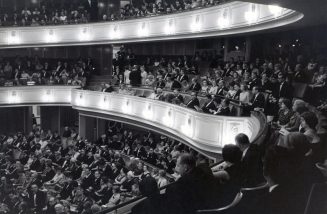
163,107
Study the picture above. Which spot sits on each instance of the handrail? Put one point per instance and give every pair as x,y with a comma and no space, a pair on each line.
263,130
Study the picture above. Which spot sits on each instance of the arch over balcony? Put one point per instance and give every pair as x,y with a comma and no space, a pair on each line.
229,18
203,132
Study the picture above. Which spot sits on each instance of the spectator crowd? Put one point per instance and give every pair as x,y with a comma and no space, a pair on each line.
86,11
40,71
44,172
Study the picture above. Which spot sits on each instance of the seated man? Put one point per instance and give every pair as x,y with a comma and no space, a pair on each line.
223,109
209,104
192,191
258,100
177,98
194,102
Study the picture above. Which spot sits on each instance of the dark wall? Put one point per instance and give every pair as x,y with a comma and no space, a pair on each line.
57,117
15,119
101,54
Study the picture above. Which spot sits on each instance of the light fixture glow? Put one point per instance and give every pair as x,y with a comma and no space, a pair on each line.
168,119
223,20
80,100
143,30
148,112
196,24
104,102
187,128
47,97
275,10
170,27
13,97
51,37
85,34
252,15
115,32
13,38
127,108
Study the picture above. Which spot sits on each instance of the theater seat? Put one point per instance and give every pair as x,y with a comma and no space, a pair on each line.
229,209
317,199
301,89
251,197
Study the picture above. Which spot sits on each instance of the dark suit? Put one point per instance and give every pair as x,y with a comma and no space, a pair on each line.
38,200
195,87
209,105
285,90
224,111
68,189
251,166
192,103
221,91
87,181
191,192
181,78
258,101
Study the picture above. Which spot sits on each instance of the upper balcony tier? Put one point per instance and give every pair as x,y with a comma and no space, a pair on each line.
230,18
203,132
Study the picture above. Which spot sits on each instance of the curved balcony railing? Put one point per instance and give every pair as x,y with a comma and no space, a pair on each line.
201,131
230,18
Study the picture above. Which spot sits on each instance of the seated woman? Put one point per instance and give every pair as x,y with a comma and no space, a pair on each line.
115,198
298,108
230,169
120,179
285,111
205,88
244,94
127,184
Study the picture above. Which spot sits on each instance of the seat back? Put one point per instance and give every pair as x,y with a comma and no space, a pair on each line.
301,89
229,209
317,201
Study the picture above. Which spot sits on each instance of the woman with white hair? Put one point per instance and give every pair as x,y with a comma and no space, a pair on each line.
299,106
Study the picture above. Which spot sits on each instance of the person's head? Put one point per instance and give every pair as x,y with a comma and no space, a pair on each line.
185,163
231,153
95,208
52,201
255,90
299,106
281,78
295,142
225,102
34,188
204,83
242,141
162,173
59,208
309,120
243,87
285,104
194,94
176,92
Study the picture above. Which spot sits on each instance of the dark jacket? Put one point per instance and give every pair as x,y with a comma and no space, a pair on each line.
193,102
258,101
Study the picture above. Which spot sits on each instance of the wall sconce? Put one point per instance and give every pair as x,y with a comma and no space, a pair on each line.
127,107
13,37
47,97
51,37
224,19
13,97
275,10
80,100
104,102
168,118
143,30
85,34
115,32
196,25
252,15
148,112
170,27
187,128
